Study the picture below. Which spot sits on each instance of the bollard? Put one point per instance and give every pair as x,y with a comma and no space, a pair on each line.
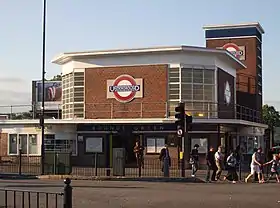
166,167
67,203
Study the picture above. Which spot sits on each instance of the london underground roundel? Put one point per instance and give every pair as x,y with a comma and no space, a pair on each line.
124,88
234,49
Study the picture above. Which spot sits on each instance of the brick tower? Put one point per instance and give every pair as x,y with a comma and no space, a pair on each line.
245,42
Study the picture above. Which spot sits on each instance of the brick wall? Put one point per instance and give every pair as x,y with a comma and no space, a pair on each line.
3,144
152,105
245,76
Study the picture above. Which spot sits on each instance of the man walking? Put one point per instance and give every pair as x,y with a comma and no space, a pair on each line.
211,165
219,161
194,159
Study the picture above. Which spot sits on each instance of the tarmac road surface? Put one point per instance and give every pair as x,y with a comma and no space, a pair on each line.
111,194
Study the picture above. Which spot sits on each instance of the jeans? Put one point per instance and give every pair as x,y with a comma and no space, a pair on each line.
194,168
214,169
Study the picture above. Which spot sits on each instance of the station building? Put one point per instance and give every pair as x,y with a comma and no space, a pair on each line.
113,98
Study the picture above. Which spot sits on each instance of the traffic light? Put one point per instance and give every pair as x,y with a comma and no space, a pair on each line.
180,116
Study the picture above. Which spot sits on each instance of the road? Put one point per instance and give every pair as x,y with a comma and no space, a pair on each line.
87,194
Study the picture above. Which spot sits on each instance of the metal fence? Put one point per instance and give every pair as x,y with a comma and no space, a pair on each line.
151,168
35,199
141,110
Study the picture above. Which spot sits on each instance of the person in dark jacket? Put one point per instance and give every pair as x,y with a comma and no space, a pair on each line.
211,165
164,154
231,166
194,159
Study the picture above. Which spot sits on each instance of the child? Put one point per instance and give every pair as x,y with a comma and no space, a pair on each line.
274,168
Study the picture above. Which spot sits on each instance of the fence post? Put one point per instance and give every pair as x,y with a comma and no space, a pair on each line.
20,161
67,193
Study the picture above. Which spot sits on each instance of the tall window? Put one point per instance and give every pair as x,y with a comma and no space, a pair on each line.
73,94
174,88
198,91
28,143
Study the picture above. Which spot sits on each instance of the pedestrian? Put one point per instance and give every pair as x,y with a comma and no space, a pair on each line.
211,165
274,167
255,167
194,159
219,160
231,167
164,155
139,154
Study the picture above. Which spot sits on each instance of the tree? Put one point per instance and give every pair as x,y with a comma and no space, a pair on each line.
56,78
271,116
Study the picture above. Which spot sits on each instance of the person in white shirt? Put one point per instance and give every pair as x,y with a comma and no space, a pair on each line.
219,160
255,166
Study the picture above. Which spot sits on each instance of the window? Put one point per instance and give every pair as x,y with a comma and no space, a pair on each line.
28,144
154,145
23,143
53,144
13,148
202,142
198,91
32,144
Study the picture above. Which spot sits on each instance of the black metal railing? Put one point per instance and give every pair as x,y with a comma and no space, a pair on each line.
197,109
35,199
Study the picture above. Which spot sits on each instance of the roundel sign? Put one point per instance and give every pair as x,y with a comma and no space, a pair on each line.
234,49
124,88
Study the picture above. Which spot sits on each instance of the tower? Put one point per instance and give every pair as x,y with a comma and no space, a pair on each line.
245,42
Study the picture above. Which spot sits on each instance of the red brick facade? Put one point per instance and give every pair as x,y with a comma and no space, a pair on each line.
152,105
245,76
3,144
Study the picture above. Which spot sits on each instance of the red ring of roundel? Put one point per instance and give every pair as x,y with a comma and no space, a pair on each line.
131,95
233,46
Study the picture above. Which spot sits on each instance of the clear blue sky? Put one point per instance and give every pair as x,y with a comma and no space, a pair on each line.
75,25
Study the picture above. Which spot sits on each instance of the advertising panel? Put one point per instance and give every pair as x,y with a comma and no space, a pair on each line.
52,96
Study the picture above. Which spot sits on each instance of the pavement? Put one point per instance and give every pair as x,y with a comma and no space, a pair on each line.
115,194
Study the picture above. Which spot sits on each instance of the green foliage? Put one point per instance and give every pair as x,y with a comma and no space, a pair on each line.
271,116
56,78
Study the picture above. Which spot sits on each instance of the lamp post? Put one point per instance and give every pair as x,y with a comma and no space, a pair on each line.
42,122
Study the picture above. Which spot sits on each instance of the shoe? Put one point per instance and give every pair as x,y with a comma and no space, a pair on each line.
246,180
193,176
234,182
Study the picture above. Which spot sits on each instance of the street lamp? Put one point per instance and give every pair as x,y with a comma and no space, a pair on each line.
42,122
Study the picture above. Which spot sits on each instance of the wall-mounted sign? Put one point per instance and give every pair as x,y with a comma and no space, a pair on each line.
237,51
227,93
94,145
125,88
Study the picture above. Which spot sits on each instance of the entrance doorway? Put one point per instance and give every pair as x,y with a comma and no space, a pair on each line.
126,141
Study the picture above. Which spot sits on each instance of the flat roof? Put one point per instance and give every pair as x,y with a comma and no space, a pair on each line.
231,26
68,56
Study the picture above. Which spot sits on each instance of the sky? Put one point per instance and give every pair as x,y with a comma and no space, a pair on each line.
78,25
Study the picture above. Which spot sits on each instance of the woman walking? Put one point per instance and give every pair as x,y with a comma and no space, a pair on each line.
231,166
255,167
